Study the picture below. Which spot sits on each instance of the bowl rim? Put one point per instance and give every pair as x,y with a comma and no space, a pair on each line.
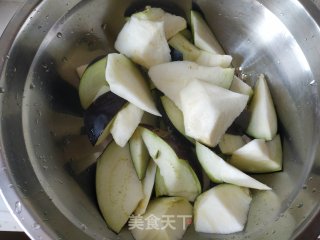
8,192
310,230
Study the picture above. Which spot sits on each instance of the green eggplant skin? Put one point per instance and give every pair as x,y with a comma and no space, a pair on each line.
179,146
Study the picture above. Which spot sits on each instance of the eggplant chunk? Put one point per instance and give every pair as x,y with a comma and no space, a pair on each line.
99,116
222,209
259,156
173,117
263,123
179,178
144,42
209,110
118,188
126,80
220,171
203,36
172,24
171,78
93,82
180,212
191,53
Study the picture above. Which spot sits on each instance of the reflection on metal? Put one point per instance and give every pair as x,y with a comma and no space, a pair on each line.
38,154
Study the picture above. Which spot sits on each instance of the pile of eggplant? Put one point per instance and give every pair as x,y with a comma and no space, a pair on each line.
181,146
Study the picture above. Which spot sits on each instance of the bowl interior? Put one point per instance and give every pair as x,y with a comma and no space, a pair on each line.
53,170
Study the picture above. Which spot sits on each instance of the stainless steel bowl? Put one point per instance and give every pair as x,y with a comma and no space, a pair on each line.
45,156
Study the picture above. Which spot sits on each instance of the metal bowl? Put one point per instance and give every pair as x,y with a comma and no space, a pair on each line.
47,164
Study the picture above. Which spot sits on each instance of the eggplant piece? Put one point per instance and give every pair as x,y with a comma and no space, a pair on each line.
229,143
216,106
175,207
187,34
188,50
181,147
171,78
118,188
179,178
191,53
150,119
137,7
259,156
172,24
222,209
159,185
125,123
82,68
126,80
147,186
144,42
139,153
263,123
173,117
203,36
93,82
239,86
99,116
220,171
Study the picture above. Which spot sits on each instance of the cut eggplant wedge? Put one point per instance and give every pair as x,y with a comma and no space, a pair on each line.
263,122
172,23
187,34
174,115
192,53
240,86
209,110
259,156
186,48
214,60
144,42
150,119
128,118
171,78
160,187
150,13
126,81
147,186
139,153
203,36
118,188
160,211
220,171
98,118
178,176
93,83
222,209
230,143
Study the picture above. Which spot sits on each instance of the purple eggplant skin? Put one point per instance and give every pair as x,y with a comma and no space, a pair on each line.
176,55
100,113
